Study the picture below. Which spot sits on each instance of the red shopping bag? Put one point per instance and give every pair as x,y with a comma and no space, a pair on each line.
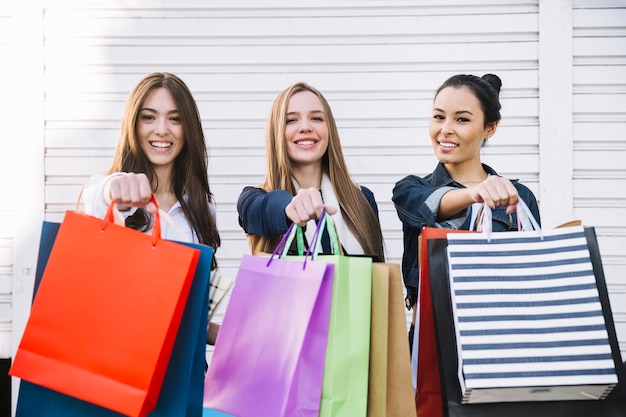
428,399
106,315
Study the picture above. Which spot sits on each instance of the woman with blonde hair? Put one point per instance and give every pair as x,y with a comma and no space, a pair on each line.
306,172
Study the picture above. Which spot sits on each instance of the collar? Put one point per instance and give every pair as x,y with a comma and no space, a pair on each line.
441,178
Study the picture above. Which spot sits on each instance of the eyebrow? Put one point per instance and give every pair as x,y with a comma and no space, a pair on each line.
154,111
312,111
458,112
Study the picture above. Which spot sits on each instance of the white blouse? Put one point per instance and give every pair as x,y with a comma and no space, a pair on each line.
174,225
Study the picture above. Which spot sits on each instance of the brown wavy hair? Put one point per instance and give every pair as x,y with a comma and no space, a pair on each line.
355,209
190,175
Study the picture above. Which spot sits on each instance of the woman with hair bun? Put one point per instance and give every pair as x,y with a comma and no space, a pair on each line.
466,112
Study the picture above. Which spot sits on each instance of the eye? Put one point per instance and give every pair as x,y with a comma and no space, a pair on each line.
318,118
438,117
290,120
175,119
463,119
146,117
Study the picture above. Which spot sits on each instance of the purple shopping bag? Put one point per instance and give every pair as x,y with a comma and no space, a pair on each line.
270,351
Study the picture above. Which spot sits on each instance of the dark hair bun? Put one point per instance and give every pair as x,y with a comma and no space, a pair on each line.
494,81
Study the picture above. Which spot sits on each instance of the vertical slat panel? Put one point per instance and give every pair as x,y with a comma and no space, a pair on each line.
378,64
599,118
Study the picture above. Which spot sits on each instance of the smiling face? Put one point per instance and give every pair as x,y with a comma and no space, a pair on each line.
457,127
306,130
159,129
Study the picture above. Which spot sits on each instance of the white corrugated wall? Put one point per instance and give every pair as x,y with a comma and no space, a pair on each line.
378,63
6,209
599,138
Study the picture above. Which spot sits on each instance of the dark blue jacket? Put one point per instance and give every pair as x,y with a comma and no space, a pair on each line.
417,201
263,213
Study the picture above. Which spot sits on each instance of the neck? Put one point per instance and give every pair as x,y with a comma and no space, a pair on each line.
164,180
308,176
467,175
164,192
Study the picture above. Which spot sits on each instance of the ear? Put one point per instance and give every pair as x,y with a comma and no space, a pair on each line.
490,130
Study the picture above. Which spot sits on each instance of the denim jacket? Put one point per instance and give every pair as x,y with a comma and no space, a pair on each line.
417,203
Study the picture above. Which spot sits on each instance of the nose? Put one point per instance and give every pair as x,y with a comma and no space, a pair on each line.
161,127
304,126
447,129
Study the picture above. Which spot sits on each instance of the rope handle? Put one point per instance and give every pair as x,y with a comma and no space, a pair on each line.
112,214
526,222
285,243
325,221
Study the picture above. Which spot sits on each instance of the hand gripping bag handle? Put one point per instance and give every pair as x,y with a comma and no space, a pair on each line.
325,222
295,231
525,220
109,217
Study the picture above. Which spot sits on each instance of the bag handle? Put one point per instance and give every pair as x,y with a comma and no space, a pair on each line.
109,217
285,243
325,222
525,220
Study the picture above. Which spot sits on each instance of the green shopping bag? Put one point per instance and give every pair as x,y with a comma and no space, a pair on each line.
346,370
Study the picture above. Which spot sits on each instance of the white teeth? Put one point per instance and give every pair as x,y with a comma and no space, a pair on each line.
305,142
448,144
161,144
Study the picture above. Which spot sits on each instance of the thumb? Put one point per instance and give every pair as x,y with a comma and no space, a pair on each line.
330,210
151,207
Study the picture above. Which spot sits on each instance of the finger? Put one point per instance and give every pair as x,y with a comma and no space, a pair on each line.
507,193
151,208
139,193
292,213
511,208
329,209
308,202
116,190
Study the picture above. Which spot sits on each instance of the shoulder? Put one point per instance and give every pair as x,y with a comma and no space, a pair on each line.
369,196
254,198
252,190
251,193
259,192
438,175
410,182
525,193
410,179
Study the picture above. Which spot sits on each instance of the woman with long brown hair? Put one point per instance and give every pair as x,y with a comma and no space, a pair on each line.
162,152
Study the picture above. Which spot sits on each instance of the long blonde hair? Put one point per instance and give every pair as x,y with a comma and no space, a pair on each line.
355,209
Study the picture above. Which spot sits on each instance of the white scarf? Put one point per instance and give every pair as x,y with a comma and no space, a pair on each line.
346,238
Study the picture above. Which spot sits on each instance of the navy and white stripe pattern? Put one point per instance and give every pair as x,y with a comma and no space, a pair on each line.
527,311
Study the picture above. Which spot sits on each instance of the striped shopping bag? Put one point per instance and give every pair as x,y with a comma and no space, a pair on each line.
528,319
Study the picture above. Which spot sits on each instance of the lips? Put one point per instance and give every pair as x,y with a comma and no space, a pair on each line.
161,145
448,145
305,142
